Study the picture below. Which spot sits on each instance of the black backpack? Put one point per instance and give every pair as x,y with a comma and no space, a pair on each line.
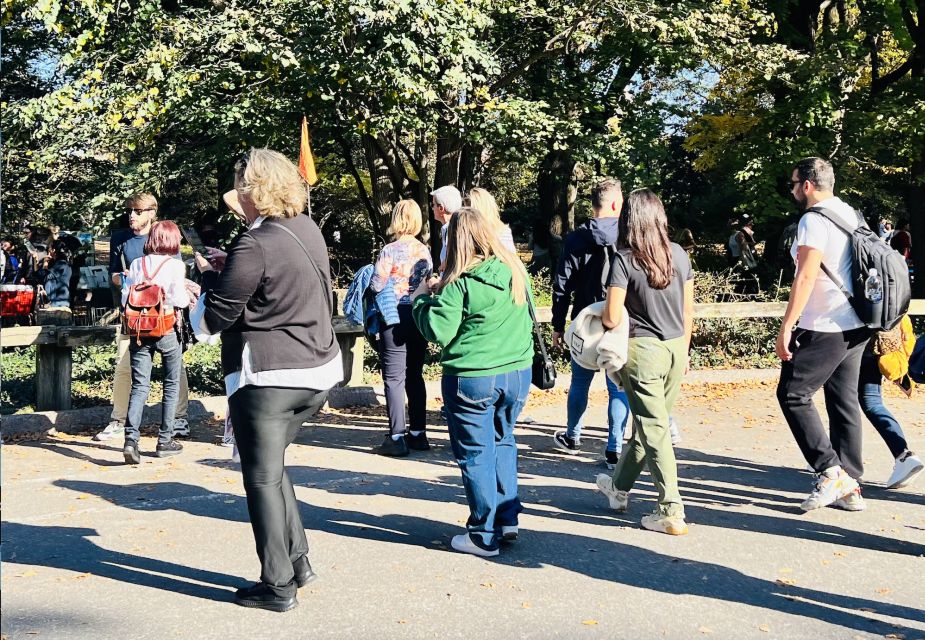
870,252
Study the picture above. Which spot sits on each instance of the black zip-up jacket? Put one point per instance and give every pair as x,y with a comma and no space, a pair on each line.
582,273
270,297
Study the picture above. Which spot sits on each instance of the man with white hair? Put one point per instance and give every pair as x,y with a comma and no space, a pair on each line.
445,201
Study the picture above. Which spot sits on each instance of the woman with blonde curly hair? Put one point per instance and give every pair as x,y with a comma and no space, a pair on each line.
272,302
479,316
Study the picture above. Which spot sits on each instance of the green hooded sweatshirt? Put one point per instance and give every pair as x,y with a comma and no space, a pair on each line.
474,319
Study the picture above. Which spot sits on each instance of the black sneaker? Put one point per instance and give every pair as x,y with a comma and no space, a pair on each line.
303,571
417,442
393,448
610,459
130,452
565,443
169,448
261,596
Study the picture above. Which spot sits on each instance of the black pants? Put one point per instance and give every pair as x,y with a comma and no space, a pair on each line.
401,352
832,362
265,421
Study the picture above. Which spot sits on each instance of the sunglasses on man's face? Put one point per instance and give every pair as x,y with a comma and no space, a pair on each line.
142,210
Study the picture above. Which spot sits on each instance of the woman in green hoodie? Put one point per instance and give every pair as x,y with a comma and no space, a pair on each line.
478,314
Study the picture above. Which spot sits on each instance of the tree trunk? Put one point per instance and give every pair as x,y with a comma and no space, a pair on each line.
915,204
383,190
557,186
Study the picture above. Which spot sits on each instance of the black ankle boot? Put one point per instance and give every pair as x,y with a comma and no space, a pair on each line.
303,571
262,596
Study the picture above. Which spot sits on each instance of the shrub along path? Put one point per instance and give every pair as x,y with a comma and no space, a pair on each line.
95,549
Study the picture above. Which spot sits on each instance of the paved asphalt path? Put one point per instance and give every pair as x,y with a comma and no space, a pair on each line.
94,549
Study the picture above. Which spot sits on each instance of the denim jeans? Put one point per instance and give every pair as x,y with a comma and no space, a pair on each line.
141,358
831,362
617,407
481,413
870,397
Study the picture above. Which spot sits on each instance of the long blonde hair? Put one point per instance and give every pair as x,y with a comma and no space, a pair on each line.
482,200
472,239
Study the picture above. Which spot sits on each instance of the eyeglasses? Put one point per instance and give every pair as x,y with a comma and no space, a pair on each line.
142,210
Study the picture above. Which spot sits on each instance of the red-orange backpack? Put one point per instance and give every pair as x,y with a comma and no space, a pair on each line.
146,313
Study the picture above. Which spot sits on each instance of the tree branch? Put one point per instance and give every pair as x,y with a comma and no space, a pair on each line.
361,188
880,84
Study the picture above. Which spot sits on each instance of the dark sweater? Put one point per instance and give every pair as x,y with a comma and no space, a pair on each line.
584,268
270,297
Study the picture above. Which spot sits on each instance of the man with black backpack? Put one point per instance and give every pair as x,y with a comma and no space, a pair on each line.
582,279
824,349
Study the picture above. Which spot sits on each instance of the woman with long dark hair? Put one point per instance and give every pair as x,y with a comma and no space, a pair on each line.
652,282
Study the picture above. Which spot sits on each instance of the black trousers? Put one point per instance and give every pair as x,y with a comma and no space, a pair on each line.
831,362
401,352
266,420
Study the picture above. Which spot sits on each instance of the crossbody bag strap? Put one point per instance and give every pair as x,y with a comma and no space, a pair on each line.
536,326
311,260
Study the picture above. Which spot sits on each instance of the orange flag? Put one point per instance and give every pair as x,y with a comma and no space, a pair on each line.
306,161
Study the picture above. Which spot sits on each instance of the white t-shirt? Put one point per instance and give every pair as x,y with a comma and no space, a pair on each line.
171,278
828,310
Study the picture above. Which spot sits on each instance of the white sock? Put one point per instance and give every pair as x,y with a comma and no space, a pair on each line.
416,433
397,436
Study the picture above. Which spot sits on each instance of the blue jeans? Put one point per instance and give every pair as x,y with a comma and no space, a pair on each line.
870,397
618,407
141,358
481,413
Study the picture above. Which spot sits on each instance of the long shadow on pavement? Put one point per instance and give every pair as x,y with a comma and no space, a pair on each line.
611,561
70,548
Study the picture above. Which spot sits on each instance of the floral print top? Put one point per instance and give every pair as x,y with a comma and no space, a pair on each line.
407,263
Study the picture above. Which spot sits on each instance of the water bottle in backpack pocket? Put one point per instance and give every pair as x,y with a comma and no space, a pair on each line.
871,257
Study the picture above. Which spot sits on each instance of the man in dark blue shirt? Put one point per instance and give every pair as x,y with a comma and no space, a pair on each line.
124,246
581,280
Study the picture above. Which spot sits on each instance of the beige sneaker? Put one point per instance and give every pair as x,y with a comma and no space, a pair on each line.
672,525
618,500
830,485
851,502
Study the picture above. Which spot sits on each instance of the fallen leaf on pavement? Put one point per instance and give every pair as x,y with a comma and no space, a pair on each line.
589,622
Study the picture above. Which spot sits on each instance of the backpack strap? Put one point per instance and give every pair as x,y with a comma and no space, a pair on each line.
310,260
829,215
144,268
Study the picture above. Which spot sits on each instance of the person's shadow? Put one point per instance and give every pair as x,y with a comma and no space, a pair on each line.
596,558
70,548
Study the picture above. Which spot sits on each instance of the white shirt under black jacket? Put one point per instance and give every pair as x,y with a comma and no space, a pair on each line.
321,377
828,309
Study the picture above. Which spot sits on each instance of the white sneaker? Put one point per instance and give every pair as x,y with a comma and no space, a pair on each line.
908,466
851,502
831,485
619,500
672,525
674,430
114,429
509,533
464,543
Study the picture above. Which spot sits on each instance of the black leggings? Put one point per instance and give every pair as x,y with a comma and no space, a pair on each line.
401,352
265,421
